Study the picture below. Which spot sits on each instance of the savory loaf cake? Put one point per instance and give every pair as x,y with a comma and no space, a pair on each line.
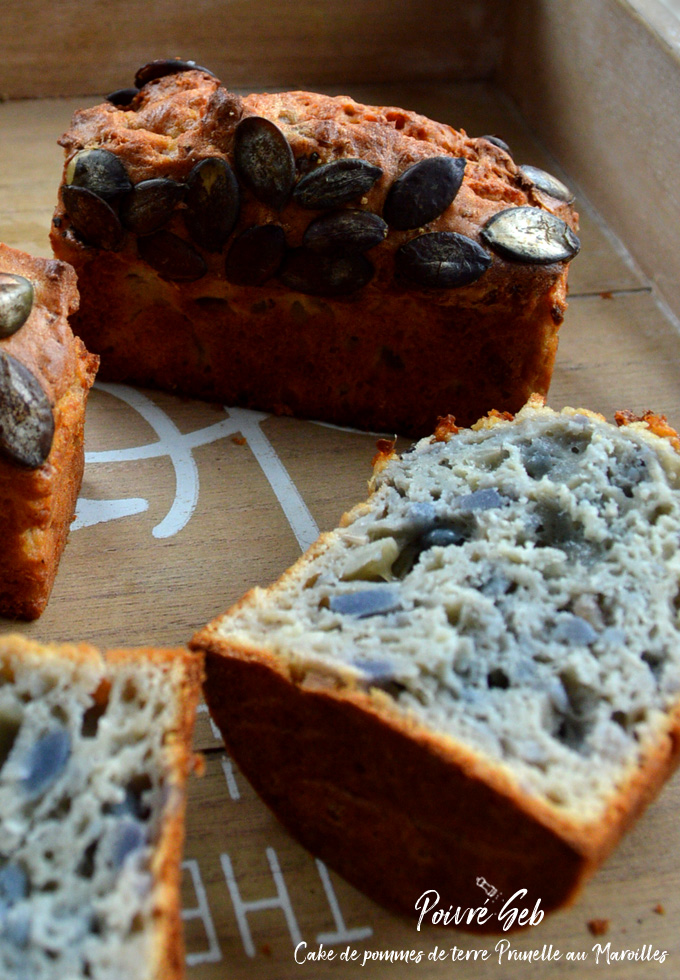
95,749
478,674
45,377
309,255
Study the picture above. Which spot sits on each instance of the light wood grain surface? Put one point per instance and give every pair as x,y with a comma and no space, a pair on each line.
184,506
601,83
75,47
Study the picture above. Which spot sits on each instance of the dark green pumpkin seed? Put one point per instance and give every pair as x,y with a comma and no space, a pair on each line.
545,182
94,220
423,192
527,234
454,532
441,260
46,761
122,97
171,256
350,230
264,161
497,141
126,837
165,66
319,274
307,162
256,255
26,420
150,204
212,201
100,171
16,302
13,884
366,602
486,498
334,184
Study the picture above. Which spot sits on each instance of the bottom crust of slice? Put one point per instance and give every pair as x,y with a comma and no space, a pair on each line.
389,809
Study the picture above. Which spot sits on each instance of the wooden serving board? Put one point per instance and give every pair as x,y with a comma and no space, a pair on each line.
185,506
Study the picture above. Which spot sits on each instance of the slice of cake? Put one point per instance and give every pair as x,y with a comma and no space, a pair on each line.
310,255
45,377
95,749
477,676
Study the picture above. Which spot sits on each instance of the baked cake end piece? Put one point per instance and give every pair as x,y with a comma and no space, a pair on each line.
95,750
45,377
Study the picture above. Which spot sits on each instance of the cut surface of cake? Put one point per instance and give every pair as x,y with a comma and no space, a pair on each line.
478,672
310,255
45,377
95,750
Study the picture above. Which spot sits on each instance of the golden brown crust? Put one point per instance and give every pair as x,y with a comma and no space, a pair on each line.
45,344
187,668
38,504
386,357
385,451
391,806
445,428
658,424
381,802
